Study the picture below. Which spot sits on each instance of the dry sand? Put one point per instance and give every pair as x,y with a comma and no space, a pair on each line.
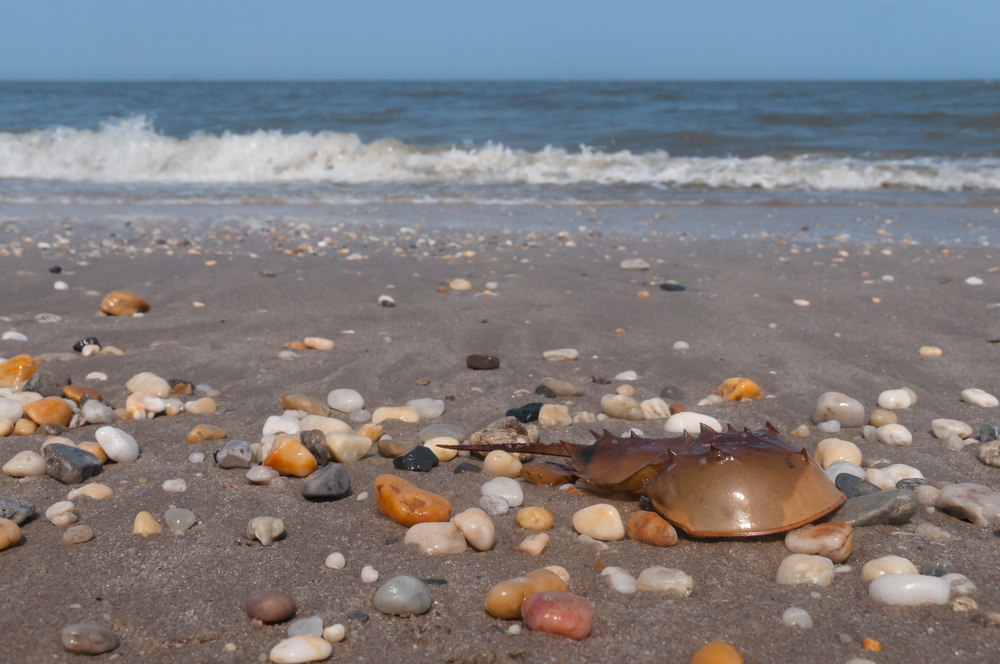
180,598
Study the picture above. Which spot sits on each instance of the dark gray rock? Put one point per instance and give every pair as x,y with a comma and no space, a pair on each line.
328,483
853,486
51,429
546,391
16,510
47,382
70,465
894,506
314,440
672,392
88,639
526,413
419,459
360,616
911,483
466,468
236,454
482,362
672,287
87,341
938,567
988,432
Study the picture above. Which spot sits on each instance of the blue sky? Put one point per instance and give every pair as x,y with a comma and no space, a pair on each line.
502,39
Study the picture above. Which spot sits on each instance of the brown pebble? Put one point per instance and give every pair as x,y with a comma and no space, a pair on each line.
650,528
881,417
871,644
121,303
270,606
423,381
598,565
482,362
296,345
620,331
24,427
371,431
182,388
204,432
391,449
676,408
75,393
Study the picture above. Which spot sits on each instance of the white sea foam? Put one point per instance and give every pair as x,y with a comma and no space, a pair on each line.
131,151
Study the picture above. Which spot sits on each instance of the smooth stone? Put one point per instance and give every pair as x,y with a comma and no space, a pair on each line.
88,639
838,468
302,648
61,513
800,568
477,527
348,447
80,394
534,545
175,486
149,383
506,598
10,534
506,488
266,529
634,264
554,415
796,617
601,522
403,413
940,567
319,343
419,459
235,454
407,504
203,432
980,398
360,415
563,388
441,539
881,417
123,303
831,540
716,652
10,410
620,580
671,287
433,431
289,457
427,408
262,474
179,520
442,453
830,426
280,424
831,450
895,435
482,362
305,403
20,369
314,440
688,422
840,407
403,596
665,580
368,575
390,449
460,285
466,468
312,626
118,445
953,444
894,399
328,483
16,510
526,413
202,406
335,561
853,486
145,524
972,502
943,428
502,464
345,400
890,507
535,518
95,412
554,612
70,465
650,528
988,454
494,505
561,355
621,407
27,463
49,410
334,633
988,432
909,590
886,565
77,535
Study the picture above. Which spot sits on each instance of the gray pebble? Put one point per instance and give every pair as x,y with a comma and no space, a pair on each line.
403,596
360,415
47,383
70,465
829,426
988,432
938,567
315,441
77,535
328,483
312,626
894,506
911,483
494,505
953,443
236,454
853,486
16,510
672,392
455,431
88,639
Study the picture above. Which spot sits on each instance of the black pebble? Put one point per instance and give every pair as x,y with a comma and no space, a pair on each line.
546,392
672,392
419,459
600,381
266,273
55,269
645,504
360,616
498,629
672,287
434,582
482,362
315,441
938,567
466,468
89,341
853,486
526,413
988,432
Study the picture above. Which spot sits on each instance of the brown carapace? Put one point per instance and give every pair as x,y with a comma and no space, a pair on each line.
731,484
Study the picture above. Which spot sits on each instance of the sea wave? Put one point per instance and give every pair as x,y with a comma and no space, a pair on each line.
132,151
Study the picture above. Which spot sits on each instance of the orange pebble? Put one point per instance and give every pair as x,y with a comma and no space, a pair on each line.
17,370
716,652
619,331
408,504
290,457
871,644
734,389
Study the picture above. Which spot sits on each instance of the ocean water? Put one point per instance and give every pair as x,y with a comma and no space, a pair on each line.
508,143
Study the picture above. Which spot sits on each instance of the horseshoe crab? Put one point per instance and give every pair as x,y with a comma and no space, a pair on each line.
731,484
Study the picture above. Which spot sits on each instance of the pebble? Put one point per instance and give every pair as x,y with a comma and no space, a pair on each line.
266,529
974,281
553,415
26,464
482,362
148,383
681,345
972,502
988,432
12,410
881,417
312,626
894,506
989,453
16,510
650,528
895,435
555,612
18,369
665,580
563,388
203,432
505,599
88,639
145,524
95,412
506,488
334,633
202,406
402,413
77,535
455,431
345,400
10,534
655,408
831,540
796,617
886,565
939,567
601,522
535,518
328,483
738,389
407,504
621,407
831,450
895,399
122,303
477,527
980,398
179,520
927,495
502,464
235,454
840,407
460,285
290,457
369,574
830,426
13,336
943,428
620,580
494,505
307,404
49,410
800,303
427,408
403,596
855,485
634,265
801,568
716,652
62,513
390,449
419,459
24,427
688,422
672,392
442,453
909,589
561,355
6,427
335,561
534,545
118,445
319,343
348,447
302,648
466,468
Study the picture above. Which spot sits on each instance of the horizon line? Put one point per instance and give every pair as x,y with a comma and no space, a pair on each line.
499,80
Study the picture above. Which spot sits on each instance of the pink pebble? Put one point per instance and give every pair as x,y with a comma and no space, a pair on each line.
557,613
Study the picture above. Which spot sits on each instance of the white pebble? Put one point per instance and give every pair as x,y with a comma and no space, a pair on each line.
627,375
894,399
175,486
363,496
829,426
335,561
514,629
974,281
506,488
368,574
665,580
13,336
280,424
334,633
895,435
796,617
873,569
561,355
909,589
960,584
312,626
97,375
61,285
802,568
345,400
427,408
620,580
196,457
900,471
943,428
681,345
62,513
690,423
980,398
299,649
838,467
118,445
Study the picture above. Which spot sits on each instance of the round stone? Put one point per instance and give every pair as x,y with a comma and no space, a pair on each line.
270,606
88,639
403,596
556,612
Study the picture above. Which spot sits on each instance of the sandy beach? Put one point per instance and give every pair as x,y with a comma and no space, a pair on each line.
225,300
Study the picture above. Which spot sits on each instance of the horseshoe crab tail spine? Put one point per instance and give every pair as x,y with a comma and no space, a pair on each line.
551,449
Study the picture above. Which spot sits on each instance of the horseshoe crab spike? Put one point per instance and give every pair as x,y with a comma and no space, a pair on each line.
805,455
771,429
634,434
596,435
746,430
730,428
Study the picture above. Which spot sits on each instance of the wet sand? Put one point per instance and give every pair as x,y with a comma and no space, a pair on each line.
180,598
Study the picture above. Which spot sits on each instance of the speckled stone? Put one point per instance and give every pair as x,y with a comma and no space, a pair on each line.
88,639
328,483
70,465
16,510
